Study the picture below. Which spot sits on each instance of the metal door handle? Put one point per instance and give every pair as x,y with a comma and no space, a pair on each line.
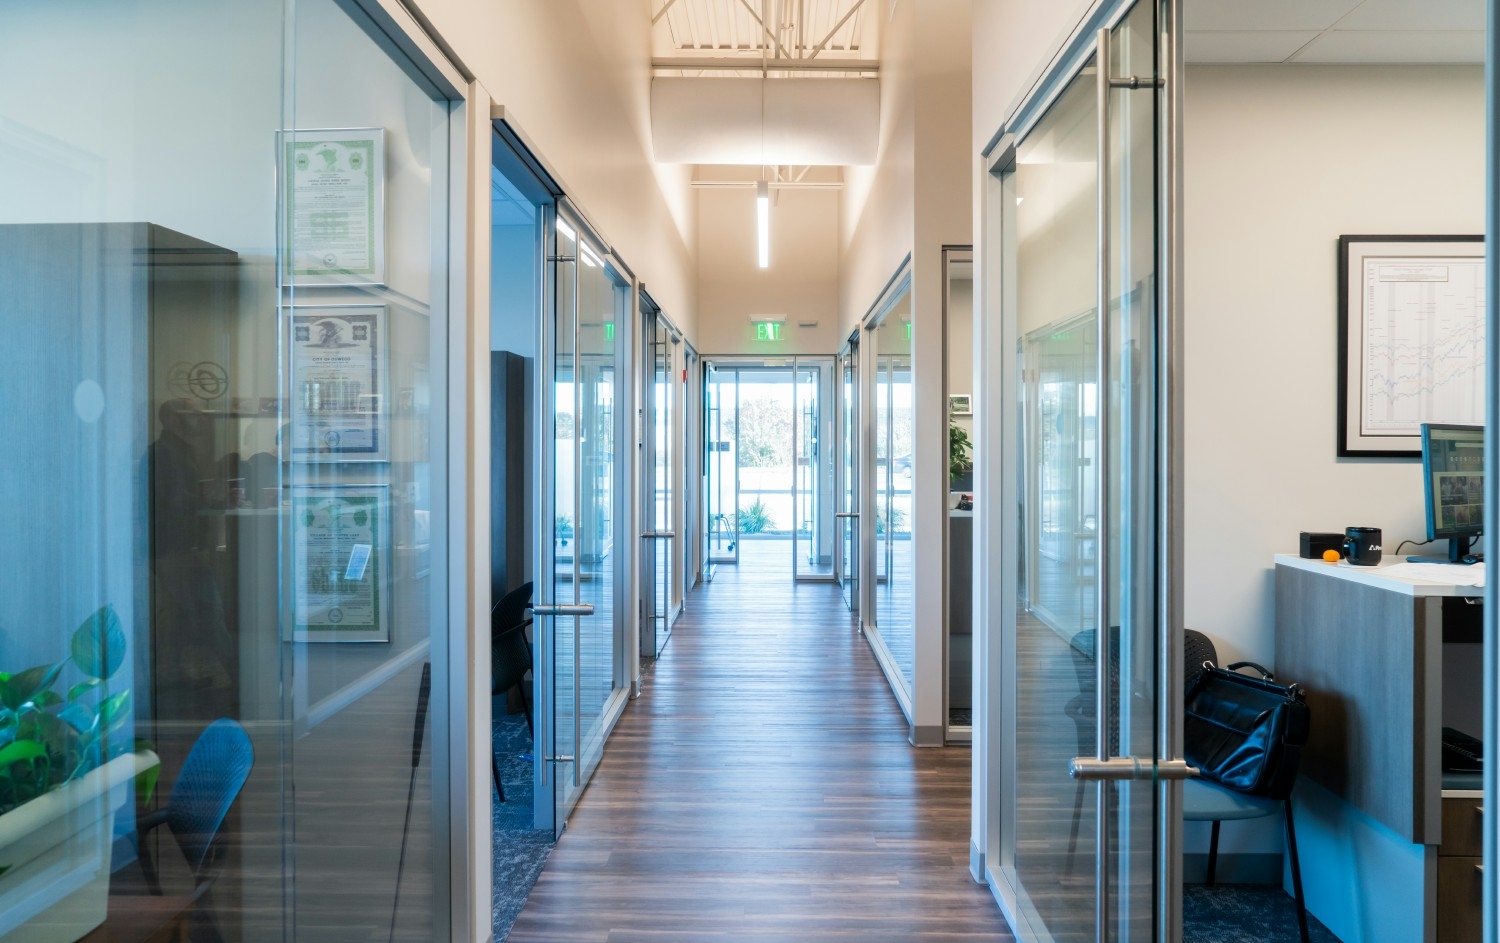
658,535
583,609
846,514
1093,769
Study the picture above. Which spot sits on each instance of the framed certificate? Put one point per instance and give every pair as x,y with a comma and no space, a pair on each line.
341,563
338,373
1411,340
334,191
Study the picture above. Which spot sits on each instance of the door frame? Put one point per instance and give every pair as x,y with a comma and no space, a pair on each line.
996,708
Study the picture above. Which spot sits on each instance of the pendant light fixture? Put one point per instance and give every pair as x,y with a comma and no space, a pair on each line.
763,222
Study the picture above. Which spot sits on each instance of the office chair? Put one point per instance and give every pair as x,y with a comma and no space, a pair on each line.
211,779
510,657
1203,801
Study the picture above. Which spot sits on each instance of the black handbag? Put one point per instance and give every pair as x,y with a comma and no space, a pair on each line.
1245,733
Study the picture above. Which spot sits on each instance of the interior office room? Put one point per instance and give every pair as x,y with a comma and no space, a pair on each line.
1271,177
593,470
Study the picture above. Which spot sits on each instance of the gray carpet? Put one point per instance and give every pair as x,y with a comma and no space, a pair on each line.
520,850
1244,913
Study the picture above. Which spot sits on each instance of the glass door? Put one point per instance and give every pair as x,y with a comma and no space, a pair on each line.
847,514
581,626
892,615
812,469
721,488
1093,725
658,535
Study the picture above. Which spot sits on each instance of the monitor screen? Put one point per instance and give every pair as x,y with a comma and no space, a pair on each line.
1453,466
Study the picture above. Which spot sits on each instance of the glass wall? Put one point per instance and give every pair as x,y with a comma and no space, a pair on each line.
893,615
1086,630
227,329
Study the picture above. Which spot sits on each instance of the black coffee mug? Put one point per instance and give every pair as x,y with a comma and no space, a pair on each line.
1362,545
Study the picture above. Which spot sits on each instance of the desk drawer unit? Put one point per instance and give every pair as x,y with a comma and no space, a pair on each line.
1460,904
1463,820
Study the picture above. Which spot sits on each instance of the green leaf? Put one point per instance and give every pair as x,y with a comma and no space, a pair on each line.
21,750
81,688
99,644
46,699
145,783
114,709
21,688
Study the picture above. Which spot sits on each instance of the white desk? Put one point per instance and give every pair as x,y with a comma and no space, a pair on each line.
1374,821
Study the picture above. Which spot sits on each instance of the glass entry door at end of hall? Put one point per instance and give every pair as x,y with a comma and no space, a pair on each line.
814,507
579,612
1088,840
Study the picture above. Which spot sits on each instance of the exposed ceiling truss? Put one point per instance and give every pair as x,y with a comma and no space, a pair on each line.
764,36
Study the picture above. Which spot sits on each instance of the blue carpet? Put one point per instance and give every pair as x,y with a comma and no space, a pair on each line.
1244,913
520,850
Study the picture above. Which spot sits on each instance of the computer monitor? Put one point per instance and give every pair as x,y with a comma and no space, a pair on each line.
1453,475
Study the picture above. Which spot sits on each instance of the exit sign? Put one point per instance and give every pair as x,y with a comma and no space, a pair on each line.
609,330
767,331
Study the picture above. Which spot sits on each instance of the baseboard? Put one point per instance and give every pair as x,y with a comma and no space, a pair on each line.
1244,868
927,736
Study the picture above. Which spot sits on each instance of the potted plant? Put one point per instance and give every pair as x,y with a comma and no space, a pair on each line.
959,447
66,762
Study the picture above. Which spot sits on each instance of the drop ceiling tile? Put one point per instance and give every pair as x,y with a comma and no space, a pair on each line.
1217,15
1211,46
1394,47
1416,14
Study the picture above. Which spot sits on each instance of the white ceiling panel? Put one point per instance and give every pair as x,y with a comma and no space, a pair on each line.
1264,14
1245,45
1345,47
1416,14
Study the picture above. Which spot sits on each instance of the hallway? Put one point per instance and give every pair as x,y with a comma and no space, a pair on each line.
762,788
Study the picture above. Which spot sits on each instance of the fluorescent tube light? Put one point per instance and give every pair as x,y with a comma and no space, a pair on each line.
566,230
763,223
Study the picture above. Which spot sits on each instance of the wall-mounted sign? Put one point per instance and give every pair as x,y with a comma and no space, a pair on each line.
767,331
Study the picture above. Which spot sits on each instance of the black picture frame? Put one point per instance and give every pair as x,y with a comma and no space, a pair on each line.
1354,441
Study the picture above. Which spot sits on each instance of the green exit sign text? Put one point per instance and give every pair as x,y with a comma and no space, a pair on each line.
767,331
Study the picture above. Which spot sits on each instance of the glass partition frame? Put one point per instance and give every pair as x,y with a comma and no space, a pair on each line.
1132,252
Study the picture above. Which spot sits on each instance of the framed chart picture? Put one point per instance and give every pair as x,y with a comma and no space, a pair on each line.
335,206
1411,340
341,563
338,373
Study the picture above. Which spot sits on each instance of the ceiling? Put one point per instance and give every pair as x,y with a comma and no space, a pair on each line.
1334,32
814,36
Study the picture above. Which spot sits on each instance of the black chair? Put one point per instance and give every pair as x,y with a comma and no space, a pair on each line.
211,779
1203,801
510,656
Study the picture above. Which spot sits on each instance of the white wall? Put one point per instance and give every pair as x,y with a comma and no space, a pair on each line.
1279,161
916,199
801,283
575,75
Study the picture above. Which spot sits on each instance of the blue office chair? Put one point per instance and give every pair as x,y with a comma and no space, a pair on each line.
211,779
1203,801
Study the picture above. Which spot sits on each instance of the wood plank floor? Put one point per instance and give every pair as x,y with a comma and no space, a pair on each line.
762,788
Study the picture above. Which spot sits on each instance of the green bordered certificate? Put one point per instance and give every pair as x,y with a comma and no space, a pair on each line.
341,563
335,206
337,355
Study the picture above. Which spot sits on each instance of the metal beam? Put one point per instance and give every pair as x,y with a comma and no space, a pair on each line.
663,11
834,32
780,50
724,64
773,184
